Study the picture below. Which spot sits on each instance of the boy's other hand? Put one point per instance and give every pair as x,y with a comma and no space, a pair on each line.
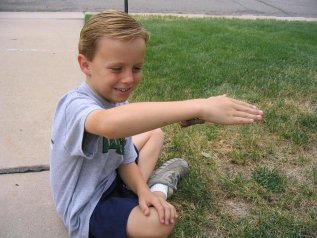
166,211
229,111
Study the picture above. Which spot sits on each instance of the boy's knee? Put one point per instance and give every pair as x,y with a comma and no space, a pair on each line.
164,231
149,227
160,230
158,133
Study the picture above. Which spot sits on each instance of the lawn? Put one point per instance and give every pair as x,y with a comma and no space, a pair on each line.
258,180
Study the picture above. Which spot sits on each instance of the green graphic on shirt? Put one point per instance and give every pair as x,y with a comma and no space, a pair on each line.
115,144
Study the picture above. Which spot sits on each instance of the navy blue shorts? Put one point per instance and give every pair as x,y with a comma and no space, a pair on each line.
110,216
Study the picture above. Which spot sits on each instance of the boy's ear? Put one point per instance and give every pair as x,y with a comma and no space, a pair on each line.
84,64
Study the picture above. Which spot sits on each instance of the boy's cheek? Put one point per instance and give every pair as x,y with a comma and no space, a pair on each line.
137,81
139,77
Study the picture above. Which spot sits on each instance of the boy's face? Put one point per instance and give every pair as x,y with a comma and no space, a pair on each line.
115,71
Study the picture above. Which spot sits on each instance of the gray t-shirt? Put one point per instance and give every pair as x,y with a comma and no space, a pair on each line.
82,165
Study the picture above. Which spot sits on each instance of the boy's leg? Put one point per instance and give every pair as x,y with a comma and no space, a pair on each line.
141,226
149,145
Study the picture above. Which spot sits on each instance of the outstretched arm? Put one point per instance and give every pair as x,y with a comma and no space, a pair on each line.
135,118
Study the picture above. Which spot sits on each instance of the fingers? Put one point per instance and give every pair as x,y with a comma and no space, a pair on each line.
248,115
248,110
240,120
243,113
244,104
144,207
160,209
173,214
167,212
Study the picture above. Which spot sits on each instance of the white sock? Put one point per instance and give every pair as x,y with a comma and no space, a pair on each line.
160,188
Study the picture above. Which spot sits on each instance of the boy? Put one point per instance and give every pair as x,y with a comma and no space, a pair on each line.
101,186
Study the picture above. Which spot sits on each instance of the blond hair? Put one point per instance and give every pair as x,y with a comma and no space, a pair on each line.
113,24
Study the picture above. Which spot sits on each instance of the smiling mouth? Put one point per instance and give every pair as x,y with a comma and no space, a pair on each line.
123,89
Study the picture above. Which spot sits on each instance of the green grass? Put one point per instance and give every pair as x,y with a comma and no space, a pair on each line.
272,180
245,181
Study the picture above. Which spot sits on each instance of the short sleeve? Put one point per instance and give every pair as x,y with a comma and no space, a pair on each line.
130,154
76,141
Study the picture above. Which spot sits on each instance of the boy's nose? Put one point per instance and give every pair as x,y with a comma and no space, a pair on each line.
128,77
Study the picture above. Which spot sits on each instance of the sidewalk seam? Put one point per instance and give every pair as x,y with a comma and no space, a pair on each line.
25,169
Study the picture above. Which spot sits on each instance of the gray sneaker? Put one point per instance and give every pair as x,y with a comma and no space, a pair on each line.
169,174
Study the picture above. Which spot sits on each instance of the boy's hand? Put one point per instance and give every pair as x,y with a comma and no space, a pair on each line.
166,211
225,110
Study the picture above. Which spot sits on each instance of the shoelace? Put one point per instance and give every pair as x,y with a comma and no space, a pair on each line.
174,177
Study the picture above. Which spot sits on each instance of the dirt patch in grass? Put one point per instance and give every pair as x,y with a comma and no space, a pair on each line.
304,106
235,208
233,169
302,167
296,173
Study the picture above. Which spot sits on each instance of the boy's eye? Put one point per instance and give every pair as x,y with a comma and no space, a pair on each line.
116,69
137,69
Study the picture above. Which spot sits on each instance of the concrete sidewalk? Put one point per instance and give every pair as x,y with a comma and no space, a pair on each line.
27,208
36,55
38,65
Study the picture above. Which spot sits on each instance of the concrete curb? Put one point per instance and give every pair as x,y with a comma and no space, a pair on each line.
81,15
245,17
42,15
